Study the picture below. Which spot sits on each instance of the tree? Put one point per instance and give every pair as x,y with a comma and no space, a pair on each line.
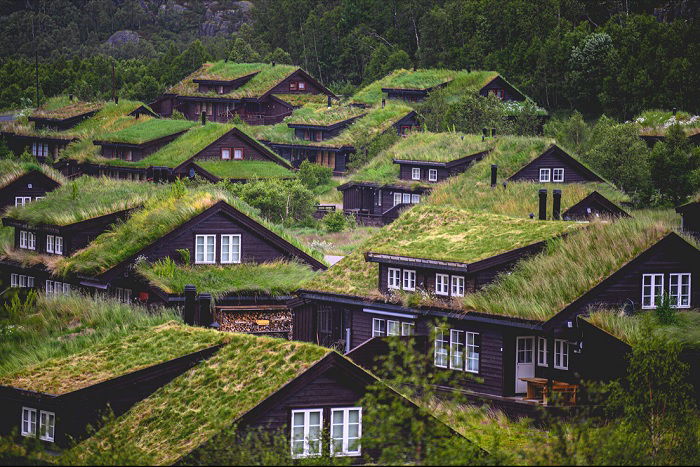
675,166
314,175
572,132
242,52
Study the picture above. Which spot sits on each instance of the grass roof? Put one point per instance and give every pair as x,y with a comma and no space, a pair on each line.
209,398
11,171
266,78
424,146
317,114
657,122
274,278
245,169
297,100
112,358
84,198
61,107
148,130
160,215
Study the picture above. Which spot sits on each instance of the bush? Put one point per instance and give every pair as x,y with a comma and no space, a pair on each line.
314,175
335,221
280,201
177,115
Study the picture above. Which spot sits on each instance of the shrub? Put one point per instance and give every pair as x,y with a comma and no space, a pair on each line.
335,221
665,313
177,115
313,175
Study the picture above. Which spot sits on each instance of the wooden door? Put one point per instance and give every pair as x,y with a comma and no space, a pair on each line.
524,361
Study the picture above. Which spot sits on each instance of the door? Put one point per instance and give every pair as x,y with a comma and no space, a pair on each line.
524,361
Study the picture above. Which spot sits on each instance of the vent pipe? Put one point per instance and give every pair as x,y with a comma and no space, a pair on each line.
674,111
273,63
205,316
190,304
494,173
493,132
204,117
383,103
543,205
556,205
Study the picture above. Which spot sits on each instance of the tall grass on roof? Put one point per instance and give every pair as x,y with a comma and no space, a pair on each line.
247,170
657,122
84,198
148,130
403,79
209,398
318,114
61,107
11,171
543,285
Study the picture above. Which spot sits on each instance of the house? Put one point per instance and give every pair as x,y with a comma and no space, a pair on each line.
379,204
60,114
260,94
654,124
292,390
22,183
690,217
434,171
42,146
555,166
499,87
594,205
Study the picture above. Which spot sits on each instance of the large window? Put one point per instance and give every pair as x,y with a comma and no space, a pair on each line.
442,284
397,199
415,173
306,432
47,425
462,350
456,349
545,175
55,288
542,351
230,249
22,200
558,175
409,279
40,149
441,348
21,281
652,290
679,290
205,249
388,327
394,281
472,352
346,431
561,354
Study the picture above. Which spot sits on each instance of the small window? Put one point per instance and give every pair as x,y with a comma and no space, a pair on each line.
405,130
230,249
542,351
378,327
23,239
561,354
302,86
558,175
319,135
346,431
58,245
306,433
545,175
442,284
205,249
292,85
458,286
225,154
49,243
393,328
28,421
324,321
406,198
27,240
456,349
432,175
394,279
409,279
221,89
652,289
472,352
407,329
238,154
679,290
123,295
397,199
47,425
22,200
415,199
441,352
415,173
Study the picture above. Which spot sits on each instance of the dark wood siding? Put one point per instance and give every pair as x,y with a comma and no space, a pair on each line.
550,160
232,141
406,173
40,185
283,86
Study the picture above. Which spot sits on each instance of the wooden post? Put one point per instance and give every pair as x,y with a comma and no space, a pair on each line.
204,317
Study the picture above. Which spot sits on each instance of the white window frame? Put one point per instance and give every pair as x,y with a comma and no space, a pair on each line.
29,418
47,426
397,198
409,280
471,352
415,199
22,200
307,452
456,349
432,175
558,175
407,329
393,327
655,281
14,280
301,86
23,239
545,175
406,198
415,173
442,284
123,295
234,257
442,354
238,154
49,243
675,289
457,286
542,351
394,278
378,327
31,241
58,245
225,154
344,438
561,354
205,240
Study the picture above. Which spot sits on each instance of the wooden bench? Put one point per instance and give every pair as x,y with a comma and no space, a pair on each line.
539,389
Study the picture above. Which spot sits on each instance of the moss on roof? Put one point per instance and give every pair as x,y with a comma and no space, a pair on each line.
112,358
274,278
11,171
148,130
657,122
61,107
245,169
85,198
209,398
266,78
317,114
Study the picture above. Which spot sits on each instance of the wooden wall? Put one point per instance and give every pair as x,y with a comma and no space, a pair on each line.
231,140
550,160
40,185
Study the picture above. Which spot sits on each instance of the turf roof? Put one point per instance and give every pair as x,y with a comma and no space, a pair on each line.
297,100
266,78
113,357
245,169
657,122
209,398
317,114
11,171
148,130
85,198
61,107
274,278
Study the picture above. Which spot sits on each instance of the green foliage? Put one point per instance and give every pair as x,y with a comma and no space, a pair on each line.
335,221
177,115
314,175
665,313
280,201
675,166
184,253
149,130
25,157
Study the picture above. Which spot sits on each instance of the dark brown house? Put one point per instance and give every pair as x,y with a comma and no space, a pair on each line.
555,166
30,186
435,171
64,118
594,206
690,217
125,148
39,146
502,89
379,204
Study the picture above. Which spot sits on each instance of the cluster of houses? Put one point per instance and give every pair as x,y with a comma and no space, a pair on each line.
494,256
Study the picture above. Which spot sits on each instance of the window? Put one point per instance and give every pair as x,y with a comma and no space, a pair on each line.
406,198
40,149
407,329
238,154
292,85
441,284
47,424
558,175
415,199
319,135
55,288
394,281
542,351
432,175
346,431
54,244
393,328
28,421
415,173
225,154
382,327
21,281
23,239
205,249
409,279
302,86
123,295
472,352
221,89
22,200
324,321
27,240
544,175
561,354
378,327
679,290
397,198
49,243
458,286
456,349
652,289
441,353
230,249
306,432
405,130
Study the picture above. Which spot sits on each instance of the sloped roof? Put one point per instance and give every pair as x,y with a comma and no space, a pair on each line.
11,171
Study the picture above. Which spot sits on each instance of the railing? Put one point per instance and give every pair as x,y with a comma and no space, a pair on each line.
262,119
325,207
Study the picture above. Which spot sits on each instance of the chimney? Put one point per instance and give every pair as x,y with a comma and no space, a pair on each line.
116,99
556,205
383,103
469,69
485,132
674,111
543,205
494,173
204,117
70,97
493,132
273,63
190,304
205,316
329,102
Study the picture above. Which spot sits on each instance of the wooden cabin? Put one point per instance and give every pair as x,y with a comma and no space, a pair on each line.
39,146
63,118
138,141
690,217
378,204
594,206
555,166
309,132
502,89
412,94
433,171
23,189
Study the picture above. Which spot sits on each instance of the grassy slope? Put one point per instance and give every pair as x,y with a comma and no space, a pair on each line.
245,169
113,357
95,197
275,278
195,406
148,130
